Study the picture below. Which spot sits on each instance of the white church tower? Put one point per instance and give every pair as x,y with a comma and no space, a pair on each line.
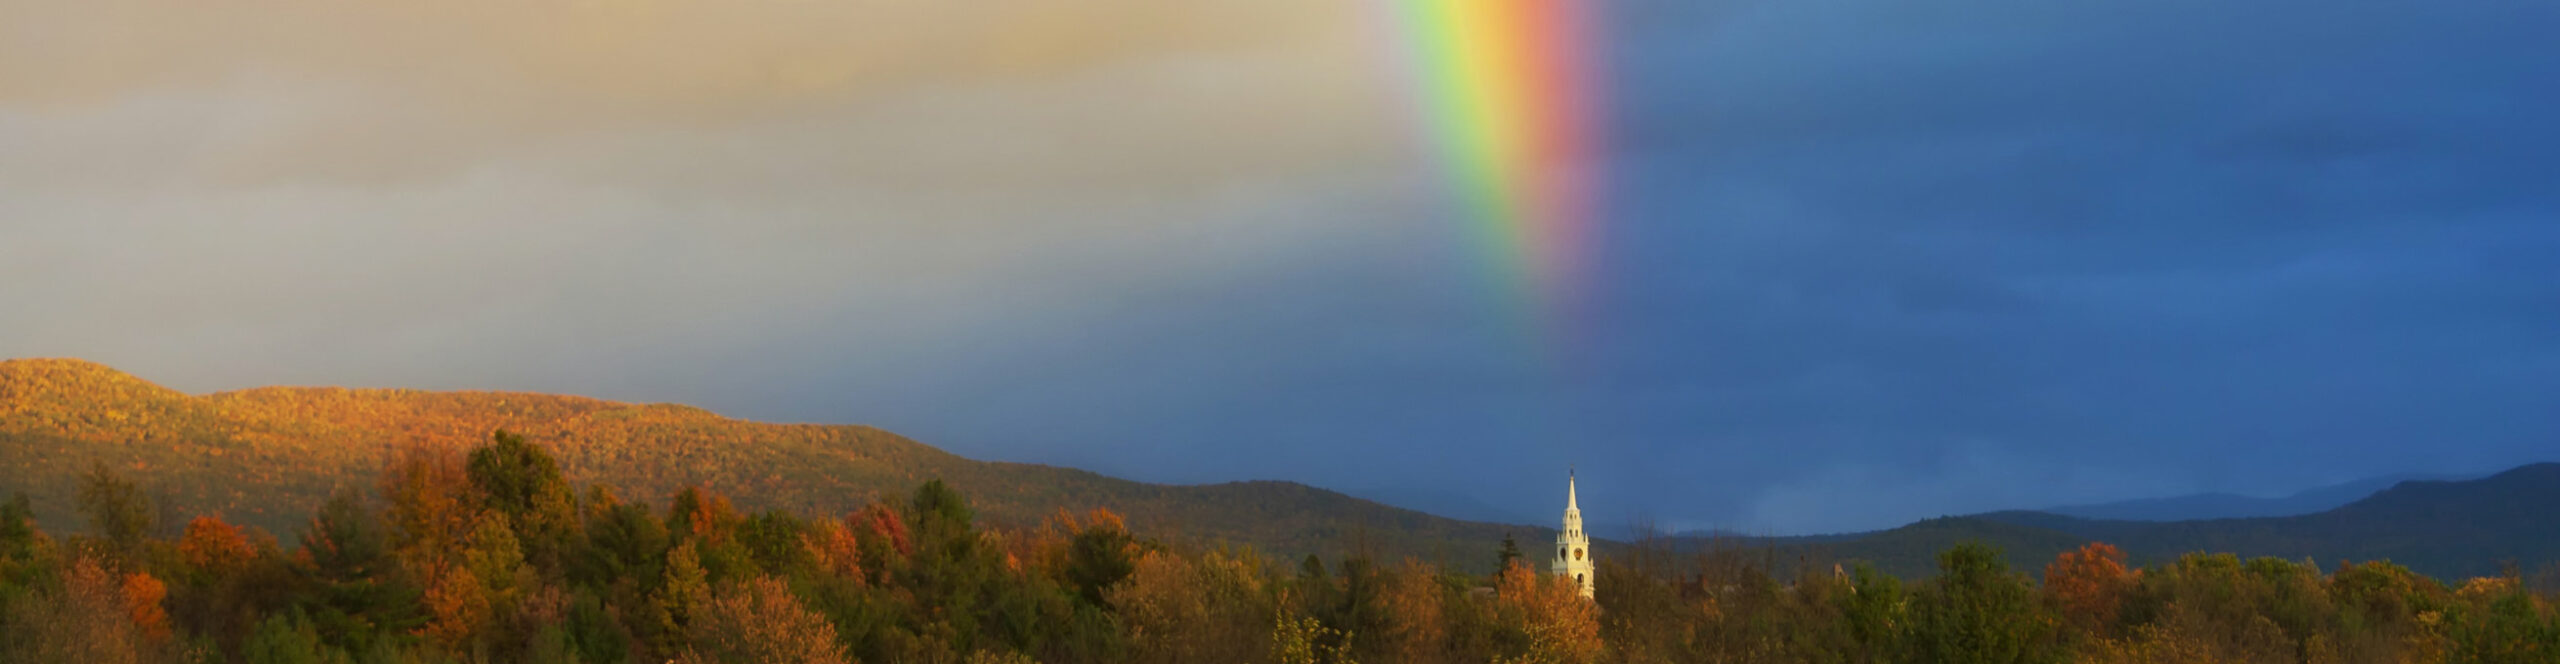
1573,548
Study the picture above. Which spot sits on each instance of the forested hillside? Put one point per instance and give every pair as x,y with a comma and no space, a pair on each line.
490,555
269,456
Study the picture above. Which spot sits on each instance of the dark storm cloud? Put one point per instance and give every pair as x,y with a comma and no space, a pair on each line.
1985,255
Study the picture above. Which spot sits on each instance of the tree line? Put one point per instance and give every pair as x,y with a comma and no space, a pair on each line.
490,555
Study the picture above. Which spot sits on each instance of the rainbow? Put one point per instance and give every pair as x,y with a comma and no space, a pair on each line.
1510,93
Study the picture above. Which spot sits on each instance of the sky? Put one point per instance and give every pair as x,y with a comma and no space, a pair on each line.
1862,261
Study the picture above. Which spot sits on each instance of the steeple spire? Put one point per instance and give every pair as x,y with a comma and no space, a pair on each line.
1571,503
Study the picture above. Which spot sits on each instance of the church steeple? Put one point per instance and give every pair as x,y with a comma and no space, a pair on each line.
1573,548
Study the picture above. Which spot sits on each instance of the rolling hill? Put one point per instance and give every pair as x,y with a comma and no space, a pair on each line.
269,456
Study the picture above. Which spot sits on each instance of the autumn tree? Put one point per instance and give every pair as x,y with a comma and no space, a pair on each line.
836,549
88,619
705,519
886,536
213,547
477,597
430,504
2088,586
1645,616
2385,610
759,622
1179,610
456,608
1416,629
2497,621
143,594
1557,624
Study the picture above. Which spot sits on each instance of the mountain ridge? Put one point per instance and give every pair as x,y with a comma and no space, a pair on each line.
2443,528
2223,505
266,456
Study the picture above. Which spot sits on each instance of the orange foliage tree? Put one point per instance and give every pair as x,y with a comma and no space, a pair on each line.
699,512
836,549
1416,630
883,521
456,608
430,504
2088,586
1560,626
142,596
88,619
214,547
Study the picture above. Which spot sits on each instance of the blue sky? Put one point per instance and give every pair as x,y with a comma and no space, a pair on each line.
1866,262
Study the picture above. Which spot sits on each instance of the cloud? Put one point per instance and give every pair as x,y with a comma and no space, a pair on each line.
217,194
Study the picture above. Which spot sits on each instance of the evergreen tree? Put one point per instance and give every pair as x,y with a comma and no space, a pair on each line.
523,482
1097,558
356,595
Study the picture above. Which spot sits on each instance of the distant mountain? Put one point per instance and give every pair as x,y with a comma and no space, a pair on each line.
1444,503
2442,528
2446,529
269,456
2234,506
